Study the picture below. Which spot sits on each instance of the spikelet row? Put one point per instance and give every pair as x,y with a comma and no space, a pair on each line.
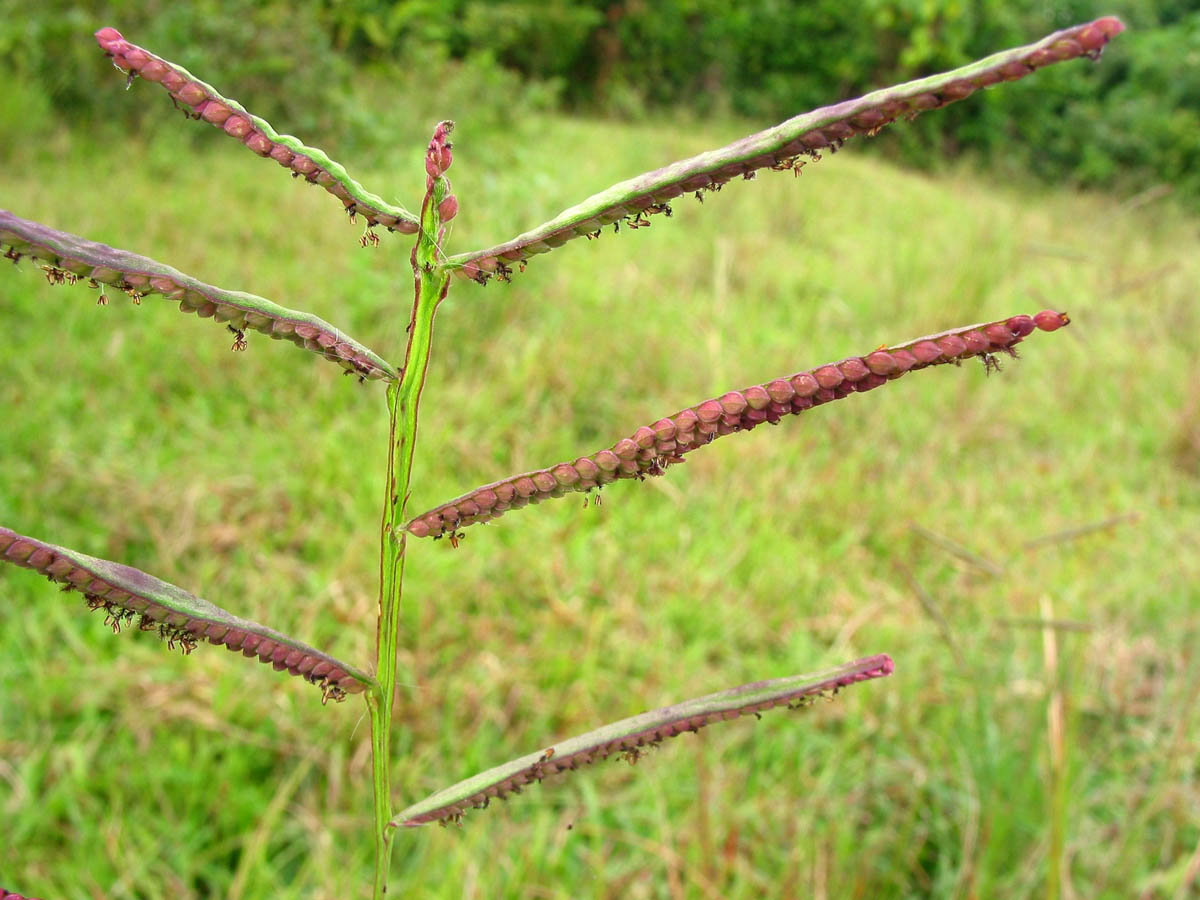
68,259
201,101
785,147
122,606
653,448
633,742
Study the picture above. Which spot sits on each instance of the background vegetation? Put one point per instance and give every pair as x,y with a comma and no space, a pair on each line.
133,433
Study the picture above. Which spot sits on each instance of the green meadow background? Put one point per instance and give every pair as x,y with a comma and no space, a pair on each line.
1024,545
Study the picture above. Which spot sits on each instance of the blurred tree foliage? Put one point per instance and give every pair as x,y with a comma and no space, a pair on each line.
1133,120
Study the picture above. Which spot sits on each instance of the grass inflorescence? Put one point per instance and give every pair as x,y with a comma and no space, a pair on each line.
652,449
68,259
201,101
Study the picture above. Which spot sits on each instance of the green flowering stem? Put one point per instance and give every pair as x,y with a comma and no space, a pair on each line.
786,146
202,101
403,398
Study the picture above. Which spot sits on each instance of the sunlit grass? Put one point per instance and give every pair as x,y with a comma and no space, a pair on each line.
254,479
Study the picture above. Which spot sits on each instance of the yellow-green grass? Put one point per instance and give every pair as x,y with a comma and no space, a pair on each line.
255,480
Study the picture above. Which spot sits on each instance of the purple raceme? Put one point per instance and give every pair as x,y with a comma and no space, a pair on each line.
68,258
653,448
201,101
783,147
630,738
126,594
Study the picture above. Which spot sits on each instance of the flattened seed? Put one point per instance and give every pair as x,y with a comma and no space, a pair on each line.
952,345
644,437
607,461
544,482
828,376
708,412
853,368
781,391
999,334
926,352
882,363
625,449
757,397
805,384
904,360
975,342
587,469
733,403
565,474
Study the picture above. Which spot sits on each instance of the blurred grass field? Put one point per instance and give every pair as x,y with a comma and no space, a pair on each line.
998,752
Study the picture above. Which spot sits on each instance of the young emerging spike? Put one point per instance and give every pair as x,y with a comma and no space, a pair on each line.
9,895
124,593
629,737
653,448
201,101
784,146
68,258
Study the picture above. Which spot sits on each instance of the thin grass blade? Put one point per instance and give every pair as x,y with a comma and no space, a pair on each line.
652,449
202,101
787,146
630,737
67,258
127,594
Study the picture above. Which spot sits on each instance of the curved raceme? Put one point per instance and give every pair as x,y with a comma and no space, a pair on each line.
126,594
653,448
67,258
784,147
633,736
201,101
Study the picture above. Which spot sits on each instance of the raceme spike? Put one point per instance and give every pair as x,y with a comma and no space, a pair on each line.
201,101
68,258
631,737
653,448
125,593
786,146
9,895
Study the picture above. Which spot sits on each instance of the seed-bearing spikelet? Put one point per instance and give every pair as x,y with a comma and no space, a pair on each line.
68,258
629,738
783,147
201,101
653,448
125,593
